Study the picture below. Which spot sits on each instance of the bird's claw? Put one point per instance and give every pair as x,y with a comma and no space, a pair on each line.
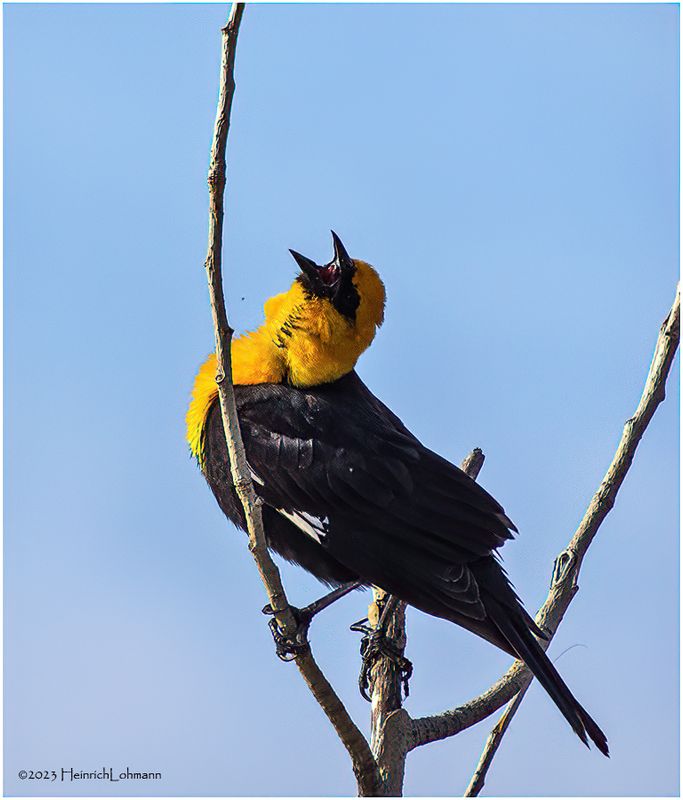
362,626
287,648
375,645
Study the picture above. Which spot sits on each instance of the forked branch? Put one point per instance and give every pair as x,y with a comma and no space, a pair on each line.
564,584
394,732
364,764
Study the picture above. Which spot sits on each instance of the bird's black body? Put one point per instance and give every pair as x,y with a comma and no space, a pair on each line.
371,503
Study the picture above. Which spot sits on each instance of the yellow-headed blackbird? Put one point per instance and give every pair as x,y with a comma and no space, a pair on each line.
348,492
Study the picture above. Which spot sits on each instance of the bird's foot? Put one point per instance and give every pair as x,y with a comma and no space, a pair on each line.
287,648
374,646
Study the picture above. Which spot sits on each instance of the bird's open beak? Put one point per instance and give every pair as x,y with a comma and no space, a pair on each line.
341,257
325,280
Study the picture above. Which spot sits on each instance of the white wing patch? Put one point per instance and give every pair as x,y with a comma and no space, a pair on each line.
255,477
315,527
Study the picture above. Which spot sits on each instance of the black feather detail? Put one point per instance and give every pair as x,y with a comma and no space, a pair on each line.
514,629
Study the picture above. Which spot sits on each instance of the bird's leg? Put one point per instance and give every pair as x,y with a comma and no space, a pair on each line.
326,600
377,644
288,648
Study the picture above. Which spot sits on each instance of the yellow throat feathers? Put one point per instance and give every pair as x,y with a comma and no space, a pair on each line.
304,341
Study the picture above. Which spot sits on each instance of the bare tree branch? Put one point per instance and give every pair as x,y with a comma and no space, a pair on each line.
386,676
387,743
473,463
493,742
394,733
564,584
364,765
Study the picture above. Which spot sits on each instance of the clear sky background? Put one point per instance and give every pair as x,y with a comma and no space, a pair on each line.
512,171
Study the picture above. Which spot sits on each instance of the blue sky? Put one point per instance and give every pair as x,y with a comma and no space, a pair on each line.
512,172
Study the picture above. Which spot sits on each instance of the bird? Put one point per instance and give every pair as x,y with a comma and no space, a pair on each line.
347,491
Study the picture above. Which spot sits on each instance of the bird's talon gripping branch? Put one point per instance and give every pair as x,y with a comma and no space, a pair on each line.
287,648
377,644
374,646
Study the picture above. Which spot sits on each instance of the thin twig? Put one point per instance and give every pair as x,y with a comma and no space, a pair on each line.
567,565
478,779
364,765
473,463
493,742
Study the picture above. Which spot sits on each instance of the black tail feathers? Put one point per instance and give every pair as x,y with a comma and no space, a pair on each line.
530,651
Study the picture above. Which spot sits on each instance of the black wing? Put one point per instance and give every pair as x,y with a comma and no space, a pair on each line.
341,466
350,493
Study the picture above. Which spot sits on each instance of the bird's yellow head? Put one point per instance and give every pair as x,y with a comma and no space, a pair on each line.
329,316
312,334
